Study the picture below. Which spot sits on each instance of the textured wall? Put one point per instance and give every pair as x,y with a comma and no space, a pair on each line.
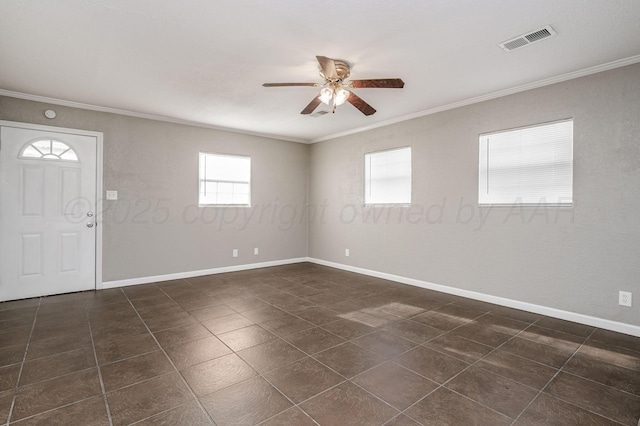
574,259
155,227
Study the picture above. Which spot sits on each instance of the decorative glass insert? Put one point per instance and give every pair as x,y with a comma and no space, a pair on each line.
48,149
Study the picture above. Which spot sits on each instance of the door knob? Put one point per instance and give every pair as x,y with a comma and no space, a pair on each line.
89,224
89,214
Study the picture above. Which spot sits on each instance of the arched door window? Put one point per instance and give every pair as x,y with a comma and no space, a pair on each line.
48,149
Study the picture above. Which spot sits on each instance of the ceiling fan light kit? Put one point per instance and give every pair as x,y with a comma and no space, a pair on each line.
334,92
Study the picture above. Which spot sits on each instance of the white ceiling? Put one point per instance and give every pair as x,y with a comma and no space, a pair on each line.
204,61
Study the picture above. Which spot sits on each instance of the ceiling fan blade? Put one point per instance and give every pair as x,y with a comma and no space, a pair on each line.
312,105
382,83
328,67
289,84
357,102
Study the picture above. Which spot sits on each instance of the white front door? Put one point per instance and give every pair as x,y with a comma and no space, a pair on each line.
47,212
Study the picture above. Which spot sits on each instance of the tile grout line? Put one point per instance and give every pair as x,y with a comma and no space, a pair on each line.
399,412
530,324
553,377
346,379
168,358
375,330
258,374
288,399
56,354
443,385
214,335
137,422
549,381
24,358
396,319
560,370
261,375
587,379
50,410
309,355
95,357
127,358
350,379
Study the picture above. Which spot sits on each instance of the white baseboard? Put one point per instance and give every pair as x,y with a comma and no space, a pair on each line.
191,274
502,301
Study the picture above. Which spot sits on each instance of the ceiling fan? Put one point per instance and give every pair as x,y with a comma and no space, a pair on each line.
334,89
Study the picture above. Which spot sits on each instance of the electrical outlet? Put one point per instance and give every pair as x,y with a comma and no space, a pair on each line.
624,298
256,251
235,252
346,252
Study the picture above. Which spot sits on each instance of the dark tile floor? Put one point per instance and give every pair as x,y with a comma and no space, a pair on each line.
305,345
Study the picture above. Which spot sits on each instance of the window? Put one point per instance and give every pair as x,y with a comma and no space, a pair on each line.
388,177
529,166
48,149
224,180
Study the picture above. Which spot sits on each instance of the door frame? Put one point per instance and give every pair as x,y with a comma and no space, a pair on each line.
99,191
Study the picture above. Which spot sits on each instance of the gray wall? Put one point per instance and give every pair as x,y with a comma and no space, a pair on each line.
574,259
155,227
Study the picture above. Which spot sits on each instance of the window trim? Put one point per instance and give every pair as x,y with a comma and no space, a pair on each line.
538,204
218,154
364,182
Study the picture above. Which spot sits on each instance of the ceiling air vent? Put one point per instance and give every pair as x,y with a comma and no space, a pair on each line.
526,39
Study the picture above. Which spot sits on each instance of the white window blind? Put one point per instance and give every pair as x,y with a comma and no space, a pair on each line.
529,166
388,177
224,180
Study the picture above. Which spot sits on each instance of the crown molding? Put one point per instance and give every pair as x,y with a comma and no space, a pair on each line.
501,93
91,107
470,101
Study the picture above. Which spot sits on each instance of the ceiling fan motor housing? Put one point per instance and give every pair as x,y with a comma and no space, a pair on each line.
342,69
